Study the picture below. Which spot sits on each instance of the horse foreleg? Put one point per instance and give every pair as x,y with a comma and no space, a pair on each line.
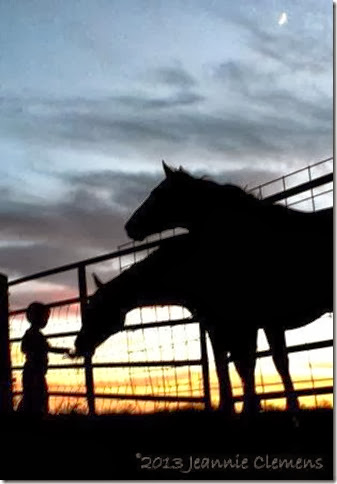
276,340
243,354
226,403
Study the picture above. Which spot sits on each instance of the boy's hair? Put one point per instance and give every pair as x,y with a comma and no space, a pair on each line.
35,311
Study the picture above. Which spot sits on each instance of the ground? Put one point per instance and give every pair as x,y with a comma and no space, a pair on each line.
183,445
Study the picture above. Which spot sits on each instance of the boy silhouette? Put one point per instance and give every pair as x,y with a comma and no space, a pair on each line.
36,348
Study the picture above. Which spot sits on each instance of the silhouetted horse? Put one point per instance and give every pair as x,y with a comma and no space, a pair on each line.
275,261
171,276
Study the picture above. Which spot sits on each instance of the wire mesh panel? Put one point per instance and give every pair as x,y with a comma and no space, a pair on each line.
146,360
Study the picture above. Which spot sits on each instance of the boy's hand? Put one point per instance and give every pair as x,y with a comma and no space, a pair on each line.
67,353
71,353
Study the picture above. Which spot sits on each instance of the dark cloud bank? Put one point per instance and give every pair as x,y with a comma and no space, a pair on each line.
41,236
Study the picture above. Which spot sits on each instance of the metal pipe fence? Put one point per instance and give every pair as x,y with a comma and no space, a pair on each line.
163,359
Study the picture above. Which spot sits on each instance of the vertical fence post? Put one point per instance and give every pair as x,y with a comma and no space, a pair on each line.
6,402
89,375
205,368
312,195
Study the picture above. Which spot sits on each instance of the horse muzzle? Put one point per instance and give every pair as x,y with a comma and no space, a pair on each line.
133,233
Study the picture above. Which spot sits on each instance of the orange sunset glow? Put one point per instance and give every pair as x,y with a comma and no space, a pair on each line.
309,369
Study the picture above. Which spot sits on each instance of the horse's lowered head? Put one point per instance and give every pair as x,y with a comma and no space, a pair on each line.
182,200
98,322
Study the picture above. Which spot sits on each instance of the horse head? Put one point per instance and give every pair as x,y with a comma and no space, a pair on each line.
183,201
167,206
97,322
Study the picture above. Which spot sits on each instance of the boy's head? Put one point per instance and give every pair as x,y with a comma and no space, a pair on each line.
38,314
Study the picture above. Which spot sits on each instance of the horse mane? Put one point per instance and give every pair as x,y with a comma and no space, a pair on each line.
263,210
212,184
260,210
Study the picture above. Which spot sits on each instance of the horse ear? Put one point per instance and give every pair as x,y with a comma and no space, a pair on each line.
98,282
168,171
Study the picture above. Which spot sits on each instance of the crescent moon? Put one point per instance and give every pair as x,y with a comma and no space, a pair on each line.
283,18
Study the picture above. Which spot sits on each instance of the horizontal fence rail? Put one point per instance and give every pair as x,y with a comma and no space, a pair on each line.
89,366
290,192
122,364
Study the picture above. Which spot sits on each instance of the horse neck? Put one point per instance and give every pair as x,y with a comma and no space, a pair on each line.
125,290
202,205
213,208
249,213
207,208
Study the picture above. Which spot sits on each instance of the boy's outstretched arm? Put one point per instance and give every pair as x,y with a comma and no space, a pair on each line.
61,351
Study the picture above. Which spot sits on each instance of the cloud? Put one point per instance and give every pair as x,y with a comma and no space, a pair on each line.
175,76
35,257
87,222
126,190
256,117
183,98
245,77
129,190
36,237
273,104
249,81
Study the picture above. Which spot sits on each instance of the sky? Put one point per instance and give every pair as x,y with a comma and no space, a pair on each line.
94,94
